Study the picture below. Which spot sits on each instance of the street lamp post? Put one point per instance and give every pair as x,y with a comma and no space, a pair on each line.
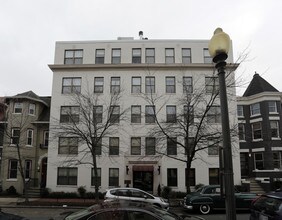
218,48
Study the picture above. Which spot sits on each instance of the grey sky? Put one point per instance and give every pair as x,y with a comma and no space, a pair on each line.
30,28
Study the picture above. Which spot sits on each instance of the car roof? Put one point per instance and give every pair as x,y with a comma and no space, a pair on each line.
124,188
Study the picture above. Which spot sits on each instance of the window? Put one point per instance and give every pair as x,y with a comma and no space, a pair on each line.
214,114
98,114
272,107
100,56
136,85
115,84
67,176
114,114
186,55
187,85
73,56
191,178
169,55
240,111
257,132
170,84
259,164
28,169
69,114
212,85
13,169
171,177
213,148
113,177
207,57
18,107
149,114
31,109
29,137
98,147
98,177
135,146
68,145
150,84
150,55
190,145
98,84
150,148
241,130
277,159
71,85
188,114
274,127
213,176
46,138
116,56
135,114
255,109
15,136
171,114
136,55
171,146
114,146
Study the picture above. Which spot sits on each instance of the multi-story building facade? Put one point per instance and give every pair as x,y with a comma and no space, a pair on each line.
135,68
25,140
259,124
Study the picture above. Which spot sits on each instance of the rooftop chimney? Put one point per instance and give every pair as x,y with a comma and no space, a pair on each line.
141,35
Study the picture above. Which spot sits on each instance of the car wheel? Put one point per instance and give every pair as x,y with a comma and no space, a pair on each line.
205,209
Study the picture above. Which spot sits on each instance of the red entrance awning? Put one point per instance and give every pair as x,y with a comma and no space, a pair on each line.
142,168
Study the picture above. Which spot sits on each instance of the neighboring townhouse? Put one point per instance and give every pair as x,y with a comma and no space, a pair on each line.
2,125
26,133
134,68
259,124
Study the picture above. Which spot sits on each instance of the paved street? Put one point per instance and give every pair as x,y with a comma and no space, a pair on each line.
41,213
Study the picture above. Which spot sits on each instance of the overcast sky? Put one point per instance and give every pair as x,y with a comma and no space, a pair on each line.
30,28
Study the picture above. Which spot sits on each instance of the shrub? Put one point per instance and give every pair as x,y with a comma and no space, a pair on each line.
11,191
177,194
62,195
81,191
166,192
44,192
91,195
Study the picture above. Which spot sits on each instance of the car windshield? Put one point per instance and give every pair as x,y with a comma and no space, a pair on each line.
82,213
199,189
165,214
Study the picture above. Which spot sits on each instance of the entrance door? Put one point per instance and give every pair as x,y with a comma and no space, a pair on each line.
43,172
143,180
244,159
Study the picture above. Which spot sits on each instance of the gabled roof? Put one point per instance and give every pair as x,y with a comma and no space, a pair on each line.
31,96
258,85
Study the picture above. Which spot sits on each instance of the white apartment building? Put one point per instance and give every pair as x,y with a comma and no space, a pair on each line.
130,66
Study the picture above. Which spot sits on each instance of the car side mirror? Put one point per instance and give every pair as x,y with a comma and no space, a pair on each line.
145,197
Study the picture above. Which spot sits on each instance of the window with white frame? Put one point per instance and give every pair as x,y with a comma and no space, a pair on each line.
150,114
170,84
150,84
13,169
172,146
277,159
15,139
213,147
214,114
113,176
98,84
28,169
116,56
211,85
136,146
188,114
69,114
274,128
207,56
114,146
136,114
259,162
114,114
241,131
172,177
31,109
73,56
272,107
98,114
255,109
100,56
213,176
98,177
71,85
115,84
169,55
136,55
67,176
18,107
150,146
171,114
46,138
29,137
257,130
186,55
240,111
187,84
150,55
68,145
136,85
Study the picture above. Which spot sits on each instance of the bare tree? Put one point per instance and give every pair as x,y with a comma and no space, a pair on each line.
94,118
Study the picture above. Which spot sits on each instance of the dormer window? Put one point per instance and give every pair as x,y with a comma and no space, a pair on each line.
18,107
31,109
272,107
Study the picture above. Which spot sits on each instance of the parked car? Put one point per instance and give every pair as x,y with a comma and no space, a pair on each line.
137,195
208,198
267,207
125,210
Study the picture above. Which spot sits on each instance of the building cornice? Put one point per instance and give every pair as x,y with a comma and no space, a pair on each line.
260,97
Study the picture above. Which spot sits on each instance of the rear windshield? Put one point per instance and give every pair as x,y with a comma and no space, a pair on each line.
268,203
